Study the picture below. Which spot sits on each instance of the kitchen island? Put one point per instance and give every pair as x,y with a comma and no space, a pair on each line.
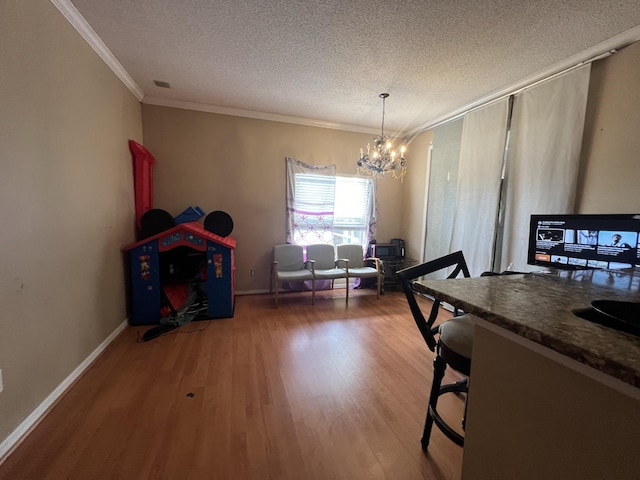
552,395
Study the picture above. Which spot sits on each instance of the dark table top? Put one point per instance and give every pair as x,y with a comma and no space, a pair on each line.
539,307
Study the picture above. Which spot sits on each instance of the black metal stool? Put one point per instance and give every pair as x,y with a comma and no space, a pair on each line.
451,341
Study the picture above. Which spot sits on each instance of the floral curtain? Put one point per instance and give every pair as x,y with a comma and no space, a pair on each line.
310,216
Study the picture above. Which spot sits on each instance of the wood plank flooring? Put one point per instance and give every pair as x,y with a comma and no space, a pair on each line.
298,392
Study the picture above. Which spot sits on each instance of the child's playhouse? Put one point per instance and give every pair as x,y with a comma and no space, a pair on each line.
186,265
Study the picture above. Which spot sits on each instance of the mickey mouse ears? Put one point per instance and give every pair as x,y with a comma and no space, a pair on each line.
219,222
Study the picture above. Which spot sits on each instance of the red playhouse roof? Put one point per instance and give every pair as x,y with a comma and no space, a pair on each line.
189,234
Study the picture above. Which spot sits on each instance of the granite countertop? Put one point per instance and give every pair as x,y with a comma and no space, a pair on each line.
539,307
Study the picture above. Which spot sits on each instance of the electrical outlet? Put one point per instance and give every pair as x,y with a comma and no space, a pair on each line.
253,273
1,382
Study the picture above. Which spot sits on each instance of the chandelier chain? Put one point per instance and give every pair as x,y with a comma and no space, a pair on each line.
383,109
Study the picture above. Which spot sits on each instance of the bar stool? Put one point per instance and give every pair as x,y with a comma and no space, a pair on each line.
451,341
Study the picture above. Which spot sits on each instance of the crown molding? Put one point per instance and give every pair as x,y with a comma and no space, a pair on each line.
78,22
274,117
598,51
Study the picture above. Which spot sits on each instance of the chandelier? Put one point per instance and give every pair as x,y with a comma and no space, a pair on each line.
383,158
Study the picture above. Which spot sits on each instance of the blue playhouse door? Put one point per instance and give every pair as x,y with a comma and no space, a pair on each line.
145,284
219,284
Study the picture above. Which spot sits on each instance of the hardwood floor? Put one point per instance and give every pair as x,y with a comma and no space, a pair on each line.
298,392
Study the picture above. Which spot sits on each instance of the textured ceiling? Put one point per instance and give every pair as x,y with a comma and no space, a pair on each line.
327,60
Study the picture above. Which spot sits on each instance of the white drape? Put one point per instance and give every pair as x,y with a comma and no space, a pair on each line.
478,187
543,157
372,213
443,176
310,221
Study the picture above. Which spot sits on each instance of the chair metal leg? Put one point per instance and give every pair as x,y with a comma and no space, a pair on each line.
439,366
274,285
460,387
313,292
464,414
347,299
437,389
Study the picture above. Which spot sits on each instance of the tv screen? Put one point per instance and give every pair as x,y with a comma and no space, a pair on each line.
584,241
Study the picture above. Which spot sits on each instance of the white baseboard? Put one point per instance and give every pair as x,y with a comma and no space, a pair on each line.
253,292
14,439
339,283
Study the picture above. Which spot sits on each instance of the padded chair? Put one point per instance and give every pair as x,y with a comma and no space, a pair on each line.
326,266
289,266
351,258
452,341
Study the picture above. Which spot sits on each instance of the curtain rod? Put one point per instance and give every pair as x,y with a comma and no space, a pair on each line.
542,80
484,102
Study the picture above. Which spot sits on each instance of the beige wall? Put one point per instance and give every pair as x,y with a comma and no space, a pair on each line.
414,193
66,203
611,146
234,164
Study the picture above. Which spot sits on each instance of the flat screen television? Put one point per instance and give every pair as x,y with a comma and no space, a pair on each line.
574,242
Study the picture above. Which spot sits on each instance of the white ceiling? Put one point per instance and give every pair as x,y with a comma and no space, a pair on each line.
327,60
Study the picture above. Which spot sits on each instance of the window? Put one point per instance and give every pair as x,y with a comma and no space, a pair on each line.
351,214
331,210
